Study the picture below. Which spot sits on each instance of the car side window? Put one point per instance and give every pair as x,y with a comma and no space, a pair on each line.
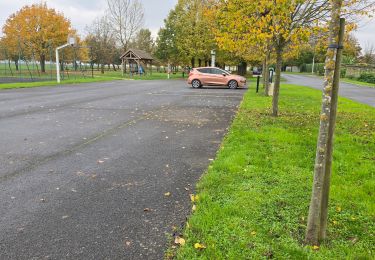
217,71
205,70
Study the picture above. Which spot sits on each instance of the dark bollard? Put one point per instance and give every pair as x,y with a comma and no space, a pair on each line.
258,80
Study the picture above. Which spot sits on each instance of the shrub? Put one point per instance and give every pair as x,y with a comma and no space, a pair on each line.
367,77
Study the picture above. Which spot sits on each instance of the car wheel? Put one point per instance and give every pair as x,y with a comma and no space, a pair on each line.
196,83
233,84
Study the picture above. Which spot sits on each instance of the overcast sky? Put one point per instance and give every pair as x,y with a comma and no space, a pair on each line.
82,13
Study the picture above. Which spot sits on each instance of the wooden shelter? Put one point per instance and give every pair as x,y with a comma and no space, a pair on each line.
136,60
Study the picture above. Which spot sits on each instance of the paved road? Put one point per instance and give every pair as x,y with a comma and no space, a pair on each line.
361,94
84,169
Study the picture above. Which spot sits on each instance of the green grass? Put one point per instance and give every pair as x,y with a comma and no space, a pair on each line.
359,83
148,76
254,198
53,83
107,76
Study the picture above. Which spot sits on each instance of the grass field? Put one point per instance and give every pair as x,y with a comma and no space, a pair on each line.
253,199
97,78
53,83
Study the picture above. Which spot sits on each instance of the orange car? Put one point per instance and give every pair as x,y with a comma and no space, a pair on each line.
209,76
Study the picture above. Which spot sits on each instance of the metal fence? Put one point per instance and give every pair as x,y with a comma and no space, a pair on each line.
20,65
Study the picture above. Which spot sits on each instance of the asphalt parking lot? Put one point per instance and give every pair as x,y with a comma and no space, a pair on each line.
85,168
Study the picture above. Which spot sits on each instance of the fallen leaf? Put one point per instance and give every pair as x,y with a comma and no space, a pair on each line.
167,194
194,208
127,243
199,246
64,217
179,241
146,210
100,161
316,247
194,198
338,209
253,233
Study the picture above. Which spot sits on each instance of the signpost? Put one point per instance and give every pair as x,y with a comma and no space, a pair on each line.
213,58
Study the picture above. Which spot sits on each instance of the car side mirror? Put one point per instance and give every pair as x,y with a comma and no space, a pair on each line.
224,74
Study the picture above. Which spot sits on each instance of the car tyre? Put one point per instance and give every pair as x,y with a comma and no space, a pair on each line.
233,84
196,83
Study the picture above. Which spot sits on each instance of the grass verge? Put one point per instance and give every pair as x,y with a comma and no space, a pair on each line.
254,198
53,83
358,83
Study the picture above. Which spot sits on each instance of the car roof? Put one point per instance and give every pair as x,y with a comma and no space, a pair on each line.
208,68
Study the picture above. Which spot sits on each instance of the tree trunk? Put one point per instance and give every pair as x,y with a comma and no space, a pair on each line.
102,68
276,88
43,63
331,130
200,62
241,68
313,230
193,62
16,64
114,67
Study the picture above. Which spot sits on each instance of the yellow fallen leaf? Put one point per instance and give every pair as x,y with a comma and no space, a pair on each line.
199,246
167,194
253,233
194,208
338,209
194,198
315,247
179,241
334,222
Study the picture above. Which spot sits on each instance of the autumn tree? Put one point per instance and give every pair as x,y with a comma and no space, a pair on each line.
166,43
194,36
34,30
102,42
268,24
368,56
143,41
